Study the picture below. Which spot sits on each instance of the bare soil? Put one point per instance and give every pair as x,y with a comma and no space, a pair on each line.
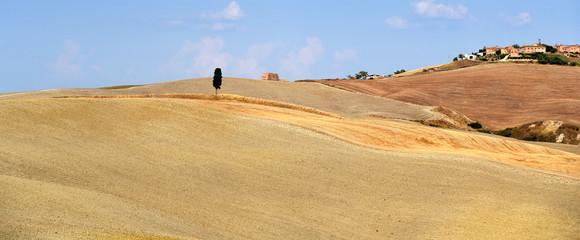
497,95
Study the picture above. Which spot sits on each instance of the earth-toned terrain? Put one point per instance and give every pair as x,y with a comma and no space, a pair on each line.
307,94
307,162
497,95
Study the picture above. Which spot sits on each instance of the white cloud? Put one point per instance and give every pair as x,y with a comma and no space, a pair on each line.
299,63
71,63
210,20
519,19
396,22
346,55
250,66
199,58
232,12
429,8
68,63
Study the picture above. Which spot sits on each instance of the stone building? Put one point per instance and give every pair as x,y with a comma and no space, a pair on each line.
272,77
493,50
536,48
568,48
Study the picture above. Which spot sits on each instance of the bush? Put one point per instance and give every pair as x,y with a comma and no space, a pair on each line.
543,61
552,59
505,132
551,49
400,71
475,125
533,139
361,75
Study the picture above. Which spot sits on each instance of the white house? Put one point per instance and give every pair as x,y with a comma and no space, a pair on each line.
469,57
373,76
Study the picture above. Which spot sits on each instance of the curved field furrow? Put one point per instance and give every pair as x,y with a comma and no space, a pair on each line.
497,95
391,135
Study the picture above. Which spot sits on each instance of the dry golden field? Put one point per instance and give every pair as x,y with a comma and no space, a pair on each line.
165,168
308,94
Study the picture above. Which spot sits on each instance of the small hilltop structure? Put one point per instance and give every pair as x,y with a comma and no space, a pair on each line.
272,77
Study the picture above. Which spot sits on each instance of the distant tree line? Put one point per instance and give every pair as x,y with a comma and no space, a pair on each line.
359,75
366,75
400,71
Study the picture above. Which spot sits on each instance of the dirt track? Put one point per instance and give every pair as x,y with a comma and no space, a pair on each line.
497,95
170,168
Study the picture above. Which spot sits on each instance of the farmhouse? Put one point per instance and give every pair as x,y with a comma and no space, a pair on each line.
493,50
469,57
513,52
536,48
373,76
568,48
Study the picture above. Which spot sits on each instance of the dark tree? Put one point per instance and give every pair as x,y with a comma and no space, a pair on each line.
551,49
217,79
361,75
475,125
400,71
482,50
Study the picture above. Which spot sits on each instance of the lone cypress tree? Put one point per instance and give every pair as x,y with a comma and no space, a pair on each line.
217,79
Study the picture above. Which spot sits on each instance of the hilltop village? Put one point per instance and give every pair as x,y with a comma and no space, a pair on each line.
539,52
536,53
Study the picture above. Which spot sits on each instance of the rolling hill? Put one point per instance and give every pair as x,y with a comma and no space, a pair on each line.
497,95
166,168
307,94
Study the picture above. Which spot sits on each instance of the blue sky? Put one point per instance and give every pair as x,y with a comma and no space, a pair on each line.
63,44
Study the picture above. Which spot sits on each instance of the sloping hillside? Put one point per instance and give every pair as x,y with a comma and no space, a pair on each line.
497,95
190,169
442,67
306,94
402,136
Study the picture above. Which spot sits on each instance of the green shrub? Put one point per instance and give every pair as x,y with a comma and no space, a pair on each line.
552,59
475,125
533,138
400,71
505,132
